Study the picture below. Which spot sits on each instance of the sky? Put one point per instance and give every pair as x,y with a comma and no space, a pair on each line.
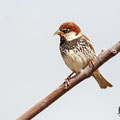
31,65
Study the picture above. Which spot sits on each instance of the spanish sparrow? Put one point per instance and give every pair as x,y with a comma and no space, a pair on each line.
77,51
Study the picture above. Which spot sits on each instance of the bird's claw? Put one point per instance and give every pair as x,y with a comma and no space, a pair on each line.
67,82
91,63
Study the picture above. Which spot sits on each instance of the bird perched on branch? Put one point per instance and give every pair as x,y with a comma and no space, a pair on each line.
77,51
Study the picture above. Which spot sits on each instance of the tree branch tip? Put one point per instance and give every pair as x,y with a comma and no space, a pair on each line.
102,51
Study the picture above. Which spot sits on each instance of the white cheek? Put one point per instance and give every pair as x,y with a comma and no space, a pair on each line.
72,35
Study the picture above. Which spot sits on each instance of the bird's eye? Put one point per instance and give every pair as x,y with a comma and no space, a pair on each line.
65,30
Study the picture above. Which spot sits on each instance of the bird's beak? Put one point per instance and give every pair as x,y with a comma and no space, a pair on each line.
58,32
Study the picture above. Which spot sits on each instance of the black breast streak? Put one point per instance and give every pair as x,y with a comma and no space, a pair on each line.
78,44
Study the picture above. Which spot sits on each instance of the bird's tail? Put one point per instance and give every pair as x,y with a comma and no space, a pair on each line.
101,80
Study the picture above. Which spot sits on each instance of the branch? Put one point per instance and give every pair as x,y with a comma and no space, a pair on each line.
88,71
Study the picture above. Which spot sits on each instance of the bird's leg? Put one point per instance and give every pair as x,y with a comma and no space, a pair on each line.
67,79
91,62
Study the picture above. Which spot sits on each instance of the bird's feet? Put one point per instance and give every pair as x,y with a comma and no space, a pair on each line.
91,63
67,82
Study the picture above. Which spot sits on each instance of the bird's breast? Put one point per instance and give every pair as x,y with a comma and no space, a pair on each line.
77,55
75,60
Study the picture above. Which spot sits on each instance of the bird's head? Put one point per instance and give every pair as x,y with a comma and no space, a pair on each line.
69,31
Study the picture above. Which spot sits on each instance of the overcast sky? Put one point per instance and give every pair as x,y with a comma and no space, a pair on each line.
31,65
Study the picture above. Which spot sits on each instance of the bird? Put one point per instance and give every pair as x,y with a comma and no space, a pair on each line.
78,52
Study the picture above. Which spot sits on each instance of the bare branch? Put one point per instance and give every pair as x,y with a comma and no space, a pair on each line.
88,71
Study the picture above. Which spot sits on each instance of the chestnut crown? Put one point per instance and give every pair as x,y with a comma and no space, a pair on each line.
69,27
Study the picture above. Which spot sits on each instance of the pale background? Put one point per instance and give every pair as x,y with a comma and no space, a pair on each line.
31,66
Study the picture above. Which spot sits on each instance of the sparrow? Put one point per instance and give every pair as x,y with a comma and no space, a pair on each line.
78,52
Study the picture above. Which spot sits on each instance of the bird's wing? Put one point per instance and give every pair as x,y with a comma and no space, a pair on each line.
89,42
